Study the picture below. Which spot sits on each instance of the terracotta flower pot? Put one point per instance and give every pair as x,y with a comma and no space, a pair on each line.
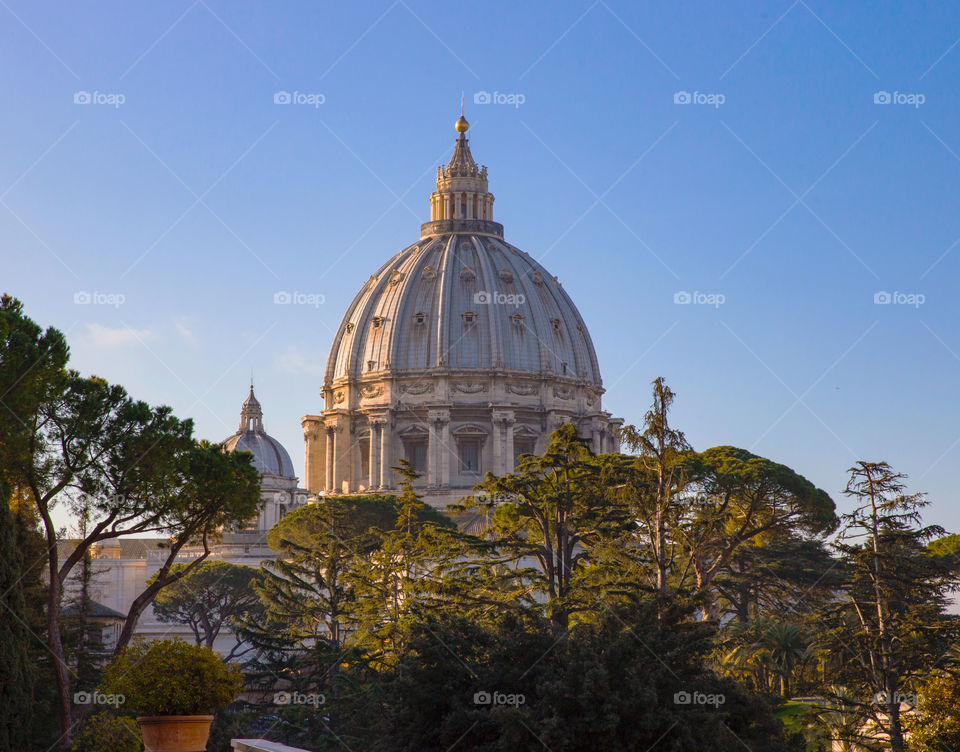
175,733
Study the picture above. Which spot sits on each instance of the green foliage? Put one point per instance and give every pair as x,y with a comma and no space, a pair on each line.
171,677
938,726
212,596
17,671
605,685
105,732
890,628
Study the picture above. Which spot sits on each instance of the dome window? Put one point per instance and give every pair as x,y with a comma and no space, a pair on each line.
396,277
506,275
377,321
467,274
429,273
537,278
516,319
420,318
556,323
349,327
469,318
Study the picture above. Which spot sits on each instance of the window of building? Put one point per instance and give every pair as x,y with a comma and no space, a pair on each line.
470,456
364,458
416,452
522,446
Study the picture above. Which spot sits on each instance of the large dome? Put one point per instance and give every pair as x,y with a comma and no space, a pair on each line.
459,354
269,456
463,301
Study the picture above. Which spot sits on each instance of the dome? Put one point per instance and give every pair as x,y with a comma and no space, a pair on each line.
460,354
269,456
463,301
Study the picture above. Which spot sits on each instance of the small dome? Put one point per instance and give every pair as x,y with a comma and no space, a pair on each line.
269,456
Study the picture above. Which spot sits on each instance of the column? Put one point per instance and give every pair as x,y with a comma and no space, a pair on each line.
373,459
386,459
328,479
438,450
448,453
508,427
336,485
498,439
315,453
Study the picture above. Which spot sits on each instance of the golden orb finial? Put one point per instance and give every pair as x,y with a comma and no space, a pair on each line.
462,125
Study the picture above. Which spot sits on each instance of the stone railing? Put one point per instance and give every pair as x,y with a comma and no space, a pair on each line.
261,745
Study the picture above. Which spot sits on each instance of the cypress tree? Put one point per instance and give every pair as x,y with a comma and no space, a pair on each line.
16,669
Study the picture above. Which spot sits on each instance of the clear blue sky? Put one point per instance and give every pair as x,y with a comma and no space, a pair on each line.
185,189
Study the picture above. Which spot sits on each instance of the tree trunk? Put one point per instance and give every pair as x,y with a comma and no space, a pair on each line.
894,725
55,643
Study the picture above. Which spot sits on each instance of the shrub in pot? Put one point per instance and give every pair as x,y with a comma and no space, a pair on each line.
174,688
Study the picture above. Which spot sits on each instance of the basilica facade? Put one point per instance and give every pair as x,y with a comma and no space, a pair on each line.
459,354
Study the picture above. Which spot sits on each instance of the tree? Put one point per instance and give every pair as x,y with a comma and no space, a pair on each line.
632,680
890,628
215,596
17,671
658,478
781,576
938,726
31,362
735,498
135,469
552,509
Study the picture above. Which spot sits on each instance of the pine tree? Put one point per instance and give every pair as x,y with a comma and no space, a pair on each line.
890,628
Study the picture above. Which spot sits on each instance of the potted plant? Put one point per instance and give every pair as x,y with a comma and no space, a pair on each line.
174,688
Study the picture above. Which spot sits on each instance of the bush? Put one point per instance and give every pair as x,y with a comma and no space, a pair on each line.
104,732
171,677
